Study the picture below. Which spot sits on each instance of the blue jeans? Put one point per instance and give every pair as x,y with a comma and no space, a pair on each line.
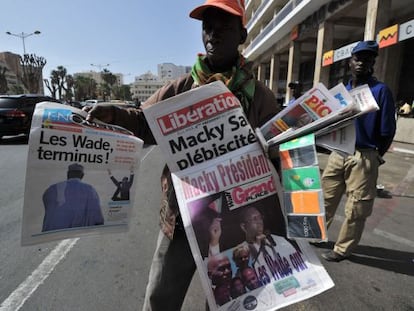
171,272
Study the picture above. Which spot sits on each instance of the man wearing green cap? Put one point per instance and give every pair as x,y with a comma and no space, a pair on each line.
223,30
356,175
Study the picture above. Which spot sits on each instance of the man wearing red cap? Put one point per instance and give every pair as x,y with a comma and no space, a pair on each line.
223,30
356,175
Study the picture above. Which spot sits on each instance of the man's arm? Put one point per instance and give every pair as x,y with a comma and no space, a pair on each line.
388,122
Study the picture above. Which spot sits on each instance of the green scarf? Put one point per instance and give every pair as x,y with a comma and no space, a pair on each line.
239,80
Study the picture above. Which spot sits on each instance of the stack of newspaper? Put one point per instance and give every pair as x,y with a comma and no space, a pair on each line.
327,113
303,197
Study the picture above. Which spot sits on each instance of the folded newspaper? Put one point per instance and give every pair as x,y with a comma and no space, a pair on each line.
230,200
80,176
323,112
303,197
328,115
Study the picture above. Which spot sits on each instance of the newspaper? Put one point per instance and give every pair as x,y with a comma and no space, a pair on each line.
303,204
329,115
228,194
80,176
320,111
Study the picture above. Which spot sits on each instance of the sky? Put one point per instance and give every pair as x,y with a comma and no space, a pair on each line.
132,36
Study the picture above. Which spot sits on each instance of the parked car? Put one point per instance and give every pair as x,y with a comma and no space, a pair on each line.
75,103
16,112
92,102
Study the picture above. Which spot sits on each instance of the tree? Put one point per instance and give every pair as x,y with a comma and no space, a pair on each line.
53,84
110,79
60,84
68,87
32,67
61,75
3,81
122,92
17,89
84,87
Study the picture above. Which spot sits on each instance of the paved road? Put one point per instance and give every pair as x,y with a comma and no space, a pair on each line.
109,272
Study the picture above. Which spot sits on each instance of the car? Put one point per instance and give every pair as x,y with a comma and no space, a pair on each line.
74,103
92,102
16,112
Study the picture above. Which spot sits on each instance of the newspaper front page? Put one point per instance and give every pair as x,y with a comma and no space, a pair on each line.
229,197
320,111
81,176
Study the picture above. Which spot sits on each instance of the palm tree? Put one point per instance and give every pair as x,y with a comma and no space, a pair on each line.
54,82
85,87
110,79
61,74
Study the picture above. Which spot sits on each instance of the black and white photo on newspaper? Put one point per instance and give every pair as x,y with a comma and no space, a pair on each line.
229,195
81,176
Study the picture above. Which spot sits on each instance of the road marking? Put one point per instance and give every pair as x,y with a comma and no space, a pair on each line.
384,234
403,150
148,152
394,237
23,292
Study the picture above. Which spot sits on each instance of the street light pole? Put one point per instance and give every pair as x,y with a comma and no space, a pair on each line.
23,36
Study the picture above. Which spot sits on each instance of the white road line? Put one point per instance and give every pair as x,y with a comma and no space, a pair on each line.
382,233
403,150
148,152
23,292
17,298
394,237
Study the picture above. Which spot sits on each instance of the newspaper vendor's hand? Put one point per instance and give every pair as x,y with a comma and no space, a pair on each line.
215,231
102,112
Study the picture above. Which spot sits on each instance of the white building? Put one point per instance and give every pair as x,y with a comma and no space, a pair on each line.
169,71
144,86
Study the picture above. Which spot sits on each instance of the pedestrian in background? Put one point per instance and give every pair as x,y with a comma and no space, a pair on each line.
356,175
223,30
297,88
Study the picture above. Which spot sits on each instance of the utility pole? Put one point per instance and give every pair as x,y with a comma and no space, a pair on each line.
23,36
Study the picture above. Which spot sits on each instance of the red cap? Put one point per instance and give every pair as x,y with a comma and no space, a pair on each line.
235,7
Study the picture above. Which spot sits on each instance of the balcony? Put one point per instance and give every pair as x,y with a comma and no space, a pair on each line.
293,13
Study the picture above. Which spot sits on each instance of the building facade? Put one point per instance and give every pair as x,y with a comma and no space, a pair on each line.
169,71
311,41
97,76
14,73
144,86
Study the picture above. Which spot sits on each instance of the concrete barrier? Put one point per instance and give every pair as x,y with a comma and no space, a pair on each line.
405,130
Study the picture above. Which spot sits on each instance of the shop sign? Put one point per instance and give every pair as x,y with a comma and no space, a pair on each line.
388,36
407,30
344,52
327,58
294,33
